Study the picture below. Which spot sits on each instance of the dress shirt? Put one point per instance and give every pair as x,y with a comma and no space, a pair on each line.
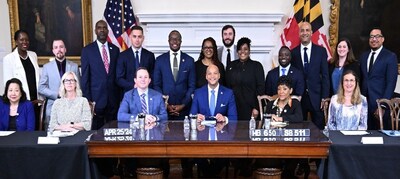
171,59
225,54
146,97
308,52
286,70
375,56
215,94
139,54
99,44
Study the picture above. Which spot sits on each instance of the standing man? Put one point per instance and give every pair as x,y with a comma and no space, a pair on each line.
311,59
52,72
99,60
133,58
379,76
216,100
227,53
174,75
284,68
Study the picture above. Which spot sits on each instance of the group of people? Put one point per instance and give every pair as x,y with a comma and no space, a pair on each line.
223,83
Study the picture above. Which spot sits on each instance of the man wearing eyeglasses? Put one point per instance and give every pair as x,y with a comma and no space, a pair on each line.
379,76
52,72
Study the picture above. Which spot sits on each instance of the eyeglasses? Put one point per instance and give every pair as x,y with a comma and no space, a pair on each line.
349,81
69,81
208,48
375,36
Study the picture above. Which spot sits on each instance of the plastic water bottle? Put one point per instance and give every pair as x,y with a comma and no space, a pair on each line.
326,131
132,122
252,125
141,120
267,121
186,128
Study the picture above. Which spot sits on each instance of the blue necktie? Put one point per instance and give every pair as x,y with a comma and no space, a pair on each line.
137,59
143,102
211,132
283,71
212,103
305,60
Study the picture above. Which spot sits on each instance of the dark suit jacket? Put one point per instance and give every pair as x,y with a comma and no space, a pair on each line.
25,119
355,66
131,105
126,67
317,78
96,84
180,91
291,113
225,105
271,82
380,82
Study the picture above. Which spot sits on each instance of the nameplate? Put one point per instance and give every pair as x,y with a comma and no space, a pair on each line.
285,139
117,132
119,138
372,140
48,140
281,133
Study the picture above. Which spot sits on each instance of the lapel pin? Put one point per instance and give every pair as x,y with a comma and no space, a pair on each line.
183,60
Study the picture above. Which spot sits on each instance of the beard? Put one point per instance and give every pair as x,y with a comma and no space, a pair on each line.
229,44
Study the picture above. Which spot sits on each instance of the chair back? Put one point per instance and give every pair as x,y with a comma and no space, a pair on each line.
396,111
263,100
296,97
92,105
325,108
391,111
42,105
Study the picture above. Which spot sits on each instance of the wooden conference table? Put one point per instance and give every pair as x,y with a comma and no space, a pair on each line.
167,140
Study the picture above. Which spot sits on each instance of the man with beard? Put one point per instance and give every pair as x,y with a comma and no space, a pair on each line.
227,53
284,68
52,72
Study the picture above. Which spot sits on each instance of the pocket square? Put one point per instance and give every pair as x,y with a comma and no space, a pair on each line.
223,105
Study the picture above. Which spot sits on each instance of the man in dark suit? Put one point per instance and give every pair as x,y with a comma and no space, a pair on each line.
227,53
98,64
379,76
214,101
99,60
133,58
174,75
284,68
311,59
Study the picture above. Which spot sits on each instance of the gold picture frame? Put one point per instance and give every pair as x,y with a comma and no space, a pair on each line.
73,17
334,27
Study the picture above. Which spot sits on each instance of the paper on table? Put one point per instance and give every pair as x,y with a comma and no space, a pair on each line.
48,140
209,122
62,133
354,132
6,133
372,140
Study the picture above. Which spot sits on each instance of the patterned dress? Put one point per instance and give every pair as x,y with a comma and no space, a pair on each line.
65,111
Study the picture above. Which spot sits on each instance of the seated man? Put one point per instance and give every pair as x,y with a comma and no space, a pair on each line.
215,101
148,101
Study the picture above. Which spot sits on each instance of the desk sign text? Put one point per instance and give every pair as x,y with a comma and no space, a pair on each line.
281,133
281,139
117,131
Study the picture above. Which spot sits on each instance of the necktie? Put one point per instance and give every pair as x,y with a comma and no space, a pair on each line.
105,58
212,102
143,101
283,71
305,60
175,65
137,59
371,62
211,133
228,58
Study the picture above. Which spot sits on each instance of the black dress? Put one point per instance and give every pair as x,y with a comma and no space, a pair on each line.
201,70
246,79
30,77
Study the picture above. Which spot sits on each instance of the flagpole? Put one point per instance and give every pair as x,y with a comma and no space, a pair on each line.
122,22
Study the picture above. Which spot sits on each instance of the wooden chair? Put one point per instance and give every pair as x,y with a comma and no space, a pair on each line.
92,105
263,100
42,105
393,112
325,108
296,97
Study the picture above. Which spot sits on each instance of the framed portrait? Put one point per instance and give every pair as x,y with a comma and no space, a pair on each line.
356,18
47,20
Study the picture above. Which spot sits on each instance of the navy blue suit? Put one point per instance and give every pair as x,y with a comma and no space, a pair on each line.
225,105
126,67
316,81
98,85
380,82
271,82
179,92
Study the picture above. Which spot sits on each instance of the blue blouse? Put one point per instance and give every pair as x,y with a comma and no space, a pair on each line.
336,76
342,117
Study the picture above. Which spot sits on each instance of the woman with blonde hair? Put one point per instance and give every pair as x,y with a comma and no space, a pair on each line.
348,109
71,111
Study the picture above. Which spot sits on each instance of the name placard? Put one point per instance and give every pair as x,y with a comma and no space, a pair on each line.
117,131
285,139
281,133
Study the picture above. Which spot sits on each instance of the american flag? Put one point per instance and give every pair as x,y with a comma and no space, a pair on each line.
308,11
119,21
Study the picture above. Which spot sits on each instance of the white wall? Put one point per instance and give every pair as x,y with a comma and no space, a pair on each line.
176,6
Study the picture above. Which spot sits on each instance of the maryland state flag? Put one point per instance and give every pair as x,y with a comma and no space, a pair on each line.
308,11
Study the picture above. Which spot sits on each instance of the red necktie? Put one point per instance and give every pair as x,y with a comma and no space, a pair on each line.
105,58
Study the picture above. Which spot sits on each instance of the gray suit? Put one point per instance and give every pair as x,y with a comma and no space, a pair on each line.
223,61
49,83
